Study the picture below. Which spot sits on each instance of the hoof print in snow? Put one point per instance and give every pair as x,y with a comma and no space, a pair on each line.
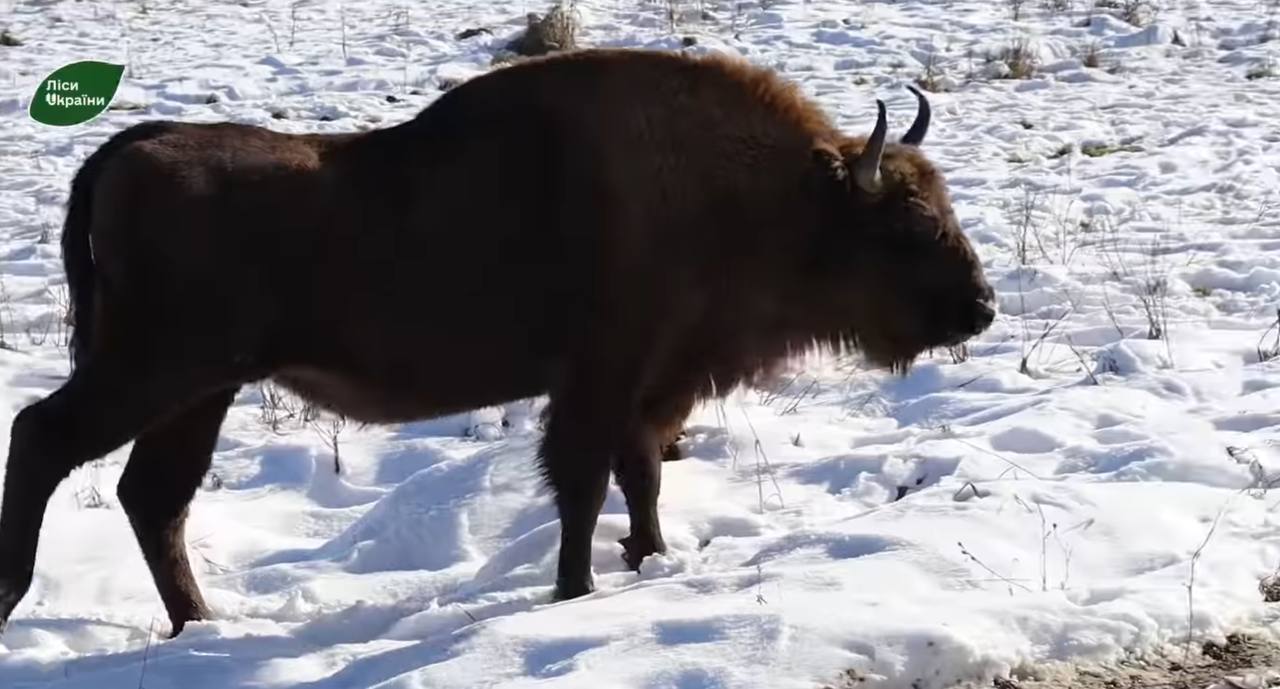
903,490
472,33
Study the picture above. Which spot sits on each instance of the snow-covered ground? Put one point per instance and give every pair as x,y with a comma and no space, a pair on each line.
1044,499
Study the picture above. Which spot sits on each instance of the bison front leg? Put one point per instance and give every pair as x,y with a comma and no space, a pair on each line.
638,468
594,412
164,470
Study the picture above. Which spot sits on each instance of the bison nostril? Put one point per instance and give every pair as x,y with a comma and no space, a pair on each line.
984,314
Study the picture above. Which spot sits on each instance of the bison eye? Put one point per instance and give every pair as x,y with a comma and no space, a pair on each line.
923,224
926,231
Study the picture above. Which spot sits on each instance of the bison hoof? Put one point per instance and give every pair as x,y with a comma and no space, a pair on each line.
9,597
181,623
635,550
671,451
568,590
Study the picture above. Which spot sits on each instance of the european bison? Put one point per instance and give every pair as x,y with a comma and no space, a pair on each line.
628,232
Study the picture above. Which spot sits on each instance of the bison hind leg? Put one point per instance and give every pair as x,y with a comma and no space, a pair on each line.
578,471
108,401
165,468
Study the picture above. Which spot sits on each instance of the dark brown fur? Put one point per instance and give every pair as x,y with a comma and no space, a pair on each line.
628,232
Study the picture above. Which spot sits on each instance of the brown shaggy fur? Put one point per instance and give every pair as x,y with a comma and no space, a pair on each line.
625,231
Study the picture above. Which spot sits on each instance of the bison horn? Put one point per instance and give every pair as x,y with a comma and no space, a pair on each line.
915,135
866,169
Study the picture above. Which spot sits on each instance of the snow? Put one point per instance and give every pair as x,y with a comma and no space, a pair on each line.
1042,500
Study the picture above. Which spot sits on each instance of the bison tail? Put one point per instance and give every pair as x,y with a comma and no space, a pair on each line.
77,246
77,261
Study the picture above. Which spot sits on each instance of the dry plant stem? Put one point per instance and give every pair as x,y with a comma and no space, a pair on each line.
1002,458
992,572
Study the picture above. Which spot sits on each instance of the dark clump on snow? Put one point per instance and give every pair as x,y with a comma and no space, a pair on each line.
1270,589
555,32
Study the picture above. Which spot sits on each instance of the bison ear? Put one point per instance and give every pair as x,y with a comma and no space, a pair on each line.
830,165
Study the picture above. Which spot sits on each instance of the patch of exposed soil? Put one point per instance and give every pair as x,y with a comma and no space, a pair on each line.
1242,662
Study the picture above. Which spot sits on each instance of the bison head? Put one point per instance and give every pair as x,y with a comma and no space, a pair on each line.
898,269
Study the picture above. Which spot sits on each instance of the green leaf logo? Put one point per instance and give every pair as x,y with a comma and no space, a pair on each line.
76,93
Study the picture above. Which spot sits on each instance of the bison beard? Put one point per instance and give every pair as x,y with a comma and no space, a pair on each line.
627,232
